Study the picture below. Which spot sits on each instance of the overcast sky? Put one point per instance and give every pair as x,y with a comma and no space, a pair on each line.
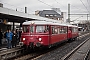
77,6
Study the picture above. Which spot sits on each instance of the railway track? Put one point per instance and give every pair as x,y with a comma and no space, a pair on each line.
87,55
70,55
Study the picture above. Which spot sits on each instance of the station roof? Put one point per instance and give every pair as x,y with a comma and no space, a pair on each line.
16,16
13,16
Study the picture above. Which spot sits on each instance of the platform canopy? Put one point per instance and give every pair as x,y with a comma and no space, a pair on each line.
16,16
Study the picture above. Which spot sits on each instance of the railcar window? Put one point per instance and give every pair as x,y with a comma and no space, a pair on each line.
53,30
46,29
40,29
74,29
60,30
56,31
25,29
63,30
31,29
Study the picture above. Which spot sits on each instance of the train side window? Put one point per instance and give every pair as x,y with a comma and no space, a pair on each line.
46,29
75,29
56,30
60,30
53,30
63,29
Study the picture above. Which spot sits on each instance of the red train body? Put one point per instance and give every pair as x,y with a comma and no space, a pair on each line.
72,32
42,33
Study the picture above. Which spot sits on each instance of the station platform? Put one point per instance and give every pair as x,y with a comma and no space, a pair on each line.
82,52
3,46
4,43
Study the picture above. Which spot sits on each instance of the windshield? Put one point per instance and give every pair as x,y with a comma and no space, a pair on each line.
28,29
31,29
42,29
25,29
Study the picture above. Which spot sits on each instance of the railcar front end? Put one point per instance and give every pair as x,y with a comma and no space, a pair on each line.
35,36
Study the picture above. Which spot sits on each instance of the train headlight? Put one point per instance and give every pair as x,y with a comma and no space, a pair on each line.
40,39
23,39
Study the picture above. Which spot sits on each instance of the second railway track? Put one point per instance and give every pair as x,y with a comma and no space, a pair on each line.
69,55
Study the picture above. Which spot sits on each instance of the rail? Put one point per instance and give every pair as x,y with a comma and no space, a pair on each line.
68,56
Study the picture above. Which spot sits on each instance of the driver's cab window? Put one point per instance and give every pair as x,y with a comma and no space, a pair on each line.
42,29
25,29
46,29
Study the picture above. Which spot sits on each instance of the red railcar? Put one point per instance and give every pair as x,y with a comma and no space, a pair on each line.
72,32
43,33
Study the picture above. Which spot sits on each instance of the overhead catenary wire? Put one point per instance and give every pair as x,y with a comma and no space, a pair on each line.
88,3
45,3
78,8
85,6
71,5
59,3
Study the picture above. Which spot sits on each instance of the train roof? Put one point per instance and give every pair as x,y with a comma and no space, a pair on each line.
72,26
43,23
39,22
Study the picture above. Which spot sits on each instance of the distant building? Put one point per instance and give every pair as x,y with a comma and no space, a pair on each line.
1,5
50,14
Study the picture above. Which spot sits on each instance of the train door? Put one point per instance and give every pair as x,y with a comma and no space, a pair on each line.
69,32
50,32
